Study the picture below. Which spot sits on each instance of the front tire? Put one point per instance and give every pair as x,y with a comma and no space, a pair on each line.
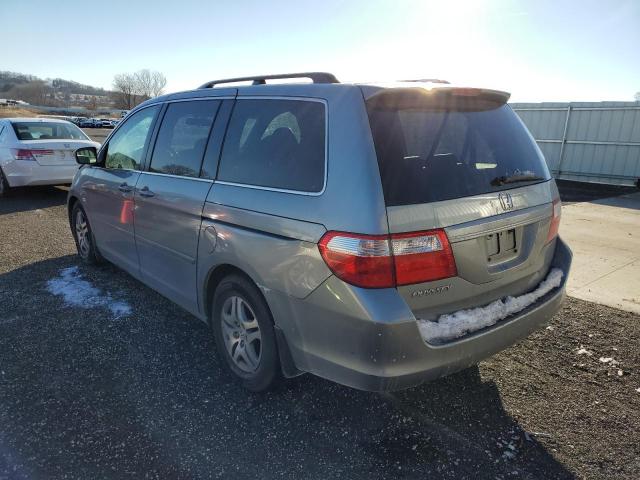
244,334
4,185
83,235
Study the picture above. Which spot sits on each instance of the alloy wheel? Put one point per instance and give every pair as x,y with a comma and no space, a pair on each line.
241,334
82,234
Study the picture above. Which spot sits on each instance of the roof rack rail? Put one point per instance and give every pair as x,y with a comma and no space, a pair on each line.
427,80
316,77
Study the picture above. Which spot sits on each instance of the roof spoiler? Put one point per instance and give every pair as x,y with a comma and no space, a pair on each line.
426,80
438,96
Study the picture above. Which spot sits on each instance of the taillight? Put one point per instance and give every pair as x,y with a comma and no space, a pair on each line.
422,257
383,261
556,209
29,154
362,260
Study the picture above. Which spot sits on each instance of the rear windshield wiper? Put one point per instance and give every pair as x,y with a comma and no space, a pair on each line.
503,180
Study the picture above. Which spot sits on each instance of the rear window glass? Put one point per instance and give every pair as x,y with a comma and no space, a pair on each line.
275,143
427,155
182,138
47,131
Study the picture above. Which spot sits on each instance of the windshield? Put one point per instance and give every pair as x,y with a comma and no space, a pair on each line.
48,131
431,154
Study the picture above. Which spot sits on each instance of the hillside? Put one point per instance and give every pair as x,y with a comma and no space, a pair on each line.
54,92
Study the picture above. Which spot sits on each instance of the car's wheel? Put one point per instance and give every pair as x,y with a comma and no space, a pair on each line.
4,185
83,235
243,329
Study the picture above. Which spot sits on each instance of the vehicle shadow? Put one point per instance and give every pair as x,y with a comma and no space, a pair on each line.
84,394
572,192
629,201
24,199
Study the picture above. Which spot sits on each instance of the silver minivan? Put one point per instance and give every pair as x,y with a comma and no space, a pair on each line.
375,235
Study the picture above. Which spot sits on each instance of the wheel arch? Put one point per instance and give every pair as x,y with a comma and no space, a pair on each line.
71,202
213,279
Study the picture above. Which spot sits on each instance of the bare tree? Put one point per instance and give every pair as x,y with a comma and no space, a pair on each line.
150,83
93,103
134,88
143,83
637,97
124,85
158,82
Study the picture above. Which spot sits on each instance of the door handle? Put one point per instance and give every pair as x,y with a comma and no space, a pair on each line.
125,188
145,192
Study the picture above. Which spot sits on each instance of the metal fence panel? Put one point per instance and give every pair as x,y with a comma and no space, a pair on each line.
593,142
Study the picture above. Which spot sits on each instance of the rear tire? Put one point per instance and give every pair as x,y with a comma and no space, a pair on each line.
4,185
245,338
83,235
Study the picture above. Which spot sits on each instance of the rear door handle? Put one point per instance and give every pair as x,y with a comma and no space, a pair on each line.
145,192
125,188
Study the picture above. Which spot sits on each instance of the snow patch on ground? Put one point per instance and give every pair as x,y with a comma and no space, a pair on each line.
78,292
610,360
457,324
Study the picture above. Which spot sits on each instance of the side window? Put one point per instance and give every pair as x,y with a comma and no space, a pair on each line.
182,138
277,144
126,147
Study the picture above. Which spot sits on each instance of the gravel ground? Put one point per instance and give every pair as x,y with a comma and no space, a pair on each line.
98,134
84,394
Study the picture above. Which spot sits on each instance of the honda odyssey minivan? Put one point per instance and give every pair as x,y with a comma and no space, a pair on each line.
375,235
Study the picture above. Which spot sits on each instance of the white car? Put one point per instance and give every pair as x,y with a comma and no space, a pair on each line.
39,151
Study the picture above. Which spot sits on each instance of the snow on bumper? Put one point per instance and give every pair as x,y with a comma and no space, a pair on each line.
454,325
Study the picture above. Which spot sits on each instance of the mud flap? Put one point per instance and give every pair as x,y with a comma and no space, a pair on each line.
289,369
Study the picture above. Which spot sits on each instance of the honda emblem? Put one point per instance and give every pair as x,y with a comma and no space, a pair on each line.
506,201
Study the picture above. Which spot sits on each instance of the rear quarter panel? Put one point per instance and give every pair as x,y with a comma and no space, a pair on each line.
272,235
279,254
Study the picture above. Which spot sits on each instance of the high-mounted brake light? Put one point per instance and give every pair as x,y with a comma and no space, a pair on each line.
383,261
29,154
556,209
466,92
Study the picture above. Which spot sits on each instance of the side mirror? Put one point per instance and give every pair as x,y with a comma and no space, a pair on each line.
87,156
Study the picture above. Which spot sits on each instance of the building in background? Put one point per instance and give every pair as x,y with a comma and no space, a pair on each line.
587,141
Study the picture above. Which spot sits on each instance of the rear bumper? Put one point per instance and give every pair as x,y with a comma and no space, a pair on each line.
28,173
369,339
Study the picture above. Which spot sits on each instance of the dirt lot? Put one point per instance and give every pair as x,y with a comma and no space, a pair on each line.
10,112
86,394
98,134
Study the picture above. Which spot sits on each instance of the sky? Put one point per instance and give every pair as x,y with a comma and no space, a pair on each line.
538,50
